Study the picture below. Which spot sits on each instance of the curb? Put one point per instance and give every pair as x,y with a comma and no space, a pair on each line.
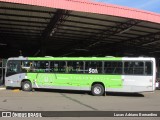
2,88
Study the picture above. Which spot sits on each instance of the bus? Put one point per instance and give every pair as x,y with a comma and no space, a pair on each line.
95,74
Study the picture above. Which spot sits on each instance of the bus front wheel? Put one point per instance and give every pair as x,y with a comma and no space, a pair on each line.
97,90
26,86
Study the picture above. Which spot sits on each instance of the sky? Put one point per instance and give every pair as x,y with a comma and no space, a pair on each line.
149,5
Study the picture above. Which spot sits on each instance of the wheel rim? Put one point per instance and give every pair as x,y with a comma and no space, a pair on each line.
97,90
26,86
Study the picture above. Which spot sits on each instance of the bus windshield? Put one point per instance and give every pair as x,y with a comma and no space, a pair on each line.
13,67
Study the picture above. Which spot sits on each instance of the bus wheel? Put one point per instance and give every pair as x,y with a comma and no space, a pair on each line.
97,90
26,86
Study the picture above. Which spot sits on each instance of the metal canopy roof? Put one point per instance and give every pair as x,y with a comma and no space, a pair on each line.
57,31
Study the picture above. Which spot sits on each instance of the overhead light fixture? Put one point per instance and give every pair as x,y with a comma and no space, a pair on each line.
67,54
3,44
53,31
94,43
155,52
126,30
37,53
81,50
149,43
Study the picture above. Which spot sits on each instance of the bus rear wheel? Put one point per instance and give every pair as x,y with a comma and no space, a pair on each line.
26,86
97,90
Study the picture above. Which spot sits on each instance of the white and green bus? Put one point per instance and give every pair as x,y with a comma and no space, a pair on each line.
95,74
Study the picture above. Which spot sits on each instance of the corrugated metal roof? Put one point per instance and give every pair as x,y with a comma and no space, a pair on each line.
93,7
75,29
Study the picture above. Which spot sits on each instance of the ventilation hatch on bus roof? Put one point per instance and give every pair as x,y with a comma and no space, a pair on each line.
109,56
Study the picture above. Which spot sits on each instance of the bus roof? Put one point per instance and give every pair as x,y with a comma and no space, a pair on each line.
82,58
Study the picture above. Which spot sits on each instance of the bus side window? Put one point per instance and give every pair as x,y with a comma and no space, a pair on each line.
79,67
134,68
113,67
26,66
75,67
139,68
148,68
57,66
62,67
